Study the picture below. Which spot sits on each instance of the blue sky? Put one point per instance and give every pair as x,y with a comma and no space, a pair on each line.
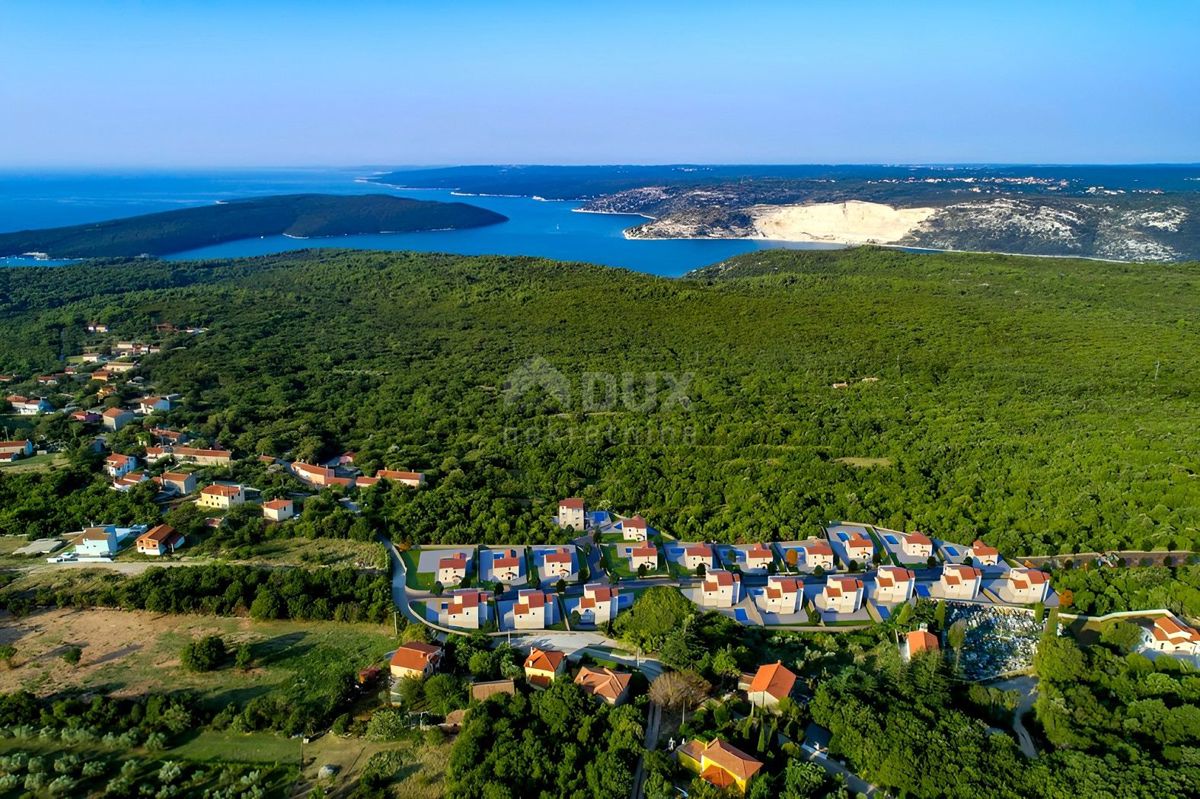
161,83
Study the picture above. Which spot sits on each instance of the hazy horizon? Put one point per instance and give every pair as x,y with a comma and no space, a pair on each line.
226,85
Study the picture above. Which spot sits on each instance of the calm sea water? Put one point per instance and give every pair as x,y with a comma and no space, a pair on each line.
547,229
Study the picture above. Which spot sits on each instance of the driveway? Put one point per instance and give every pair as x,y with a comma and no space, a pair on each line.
1027,686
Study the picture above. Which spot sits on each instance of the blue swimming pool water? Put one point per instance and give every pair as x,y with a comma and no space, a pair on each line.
740,615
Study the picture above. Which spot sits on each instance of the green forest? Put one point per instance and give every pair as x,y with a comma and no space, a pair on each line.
1047,405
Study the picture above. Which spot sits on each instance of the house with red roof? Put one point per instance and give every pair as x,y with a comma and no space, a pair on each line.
558,563
719,763
505,565
452,569
21,448
116,465
410,479
1026,586
571,513
721,589
529,612
643,555
1174,637
918,642
278,510
598,604
467,608
696,555
634,529
607,685
758,558
860,547
149,405
221,497
960,582
817,553
894,584
159,540
130,480
415,660
782,595
983,555
543,666
116,418
771,684
916,545
843,594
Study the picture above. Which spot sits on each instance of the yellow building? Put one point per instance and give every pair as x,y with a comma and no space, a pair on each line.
718,763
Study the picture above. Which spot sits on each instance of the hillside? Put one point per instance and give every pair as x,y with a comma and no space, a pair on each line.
1049,404
297,215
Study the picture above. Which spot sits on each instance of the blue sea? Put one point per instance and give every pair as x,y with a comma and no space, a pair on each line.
538,228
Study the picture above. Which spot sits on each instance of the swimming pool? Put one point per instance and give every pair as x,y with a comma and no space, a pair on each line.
740,615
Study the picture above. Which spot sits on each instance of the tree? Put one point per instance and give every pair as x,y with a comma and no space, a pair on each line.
656,613
72,655
561,586
957,636
1123,635
8,653
244,658
438,589
725,663
939,615
680,690
701,570
206,654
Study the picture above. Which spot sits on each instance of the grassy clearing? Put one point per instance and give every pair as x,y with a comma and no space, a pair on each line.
37,463
865,463
211,745
422,581
311,552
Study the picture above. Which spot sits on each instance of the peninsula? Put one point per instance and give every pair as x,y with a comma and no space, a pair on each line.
295,215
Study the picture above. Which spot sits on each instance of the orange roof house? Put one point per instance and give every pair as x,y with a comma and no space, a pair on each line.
771,684
159,540
719,763
415,659
543,665
917,642
604,683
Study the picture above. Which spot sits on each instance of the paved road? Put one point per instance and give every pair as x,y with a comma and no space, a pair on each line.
650,742
855,783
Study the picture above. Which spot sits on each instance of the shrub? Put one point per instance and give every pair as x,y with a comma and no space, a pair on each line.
205,654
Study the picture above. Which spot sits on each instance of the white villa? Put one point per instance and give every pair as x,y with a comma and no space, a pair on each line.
960,582
452,569
818,553
721,589
860,548
782,595
529,613
634,529
843,594
598,605
506,565
1169,635
758,558
571,513
917,545
1027,585
894,584
983,555
463,610
695,555
558,563
644,555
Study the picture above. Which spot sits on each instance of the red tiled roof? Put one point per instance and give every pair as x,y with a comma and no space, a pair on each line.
918,538
921,641
277,504
221,490
719,578
573,503
818,548
634,523
558,556
980,548
544,659
415,655
774,679
393,474
646,551
889,576
731,759
113,413
456,561
1166,628
603,682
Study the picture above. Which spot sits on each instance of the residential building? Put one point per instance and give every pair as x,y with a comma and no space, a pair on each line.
643,555
721,589
182,483
918,642
148,405
983,555
467,608
279,510
483,691
598,604
416,660
860,548
529,612
894,584
200,456
85,417
696,555
169,436
558,564
960,582
506,565
410,479
543,666
314,475
221,497
1171,636
817,553
782,595
159,540
843,594
771,684
607,685
452,569
1027,585
29,406
119,465
571,513
718,763
635,529
129,481
758,558
916,545
97,542
116,418
21,448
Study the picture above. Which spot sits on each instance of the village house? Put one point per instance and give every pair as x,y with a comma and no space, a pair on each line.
917,545
782,595
860,548
918,642
843,594
314,475
221,497
21,449
278,510
560,563
607,685
1173,637
463,609
543,666
410,479
817,553
696,555
960,582
97,542
119,465
571,513
894,584
415,660
634,529
85,417
483,691
1027,585
149,405
97,327
529,612
29,406
721,589
129,481
182,483
643,555
718,763
169,436
983,555
159,540
116,418
506,565
758,558
452,569
196,455
598,605
50,380
121,367
771,684
103,374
